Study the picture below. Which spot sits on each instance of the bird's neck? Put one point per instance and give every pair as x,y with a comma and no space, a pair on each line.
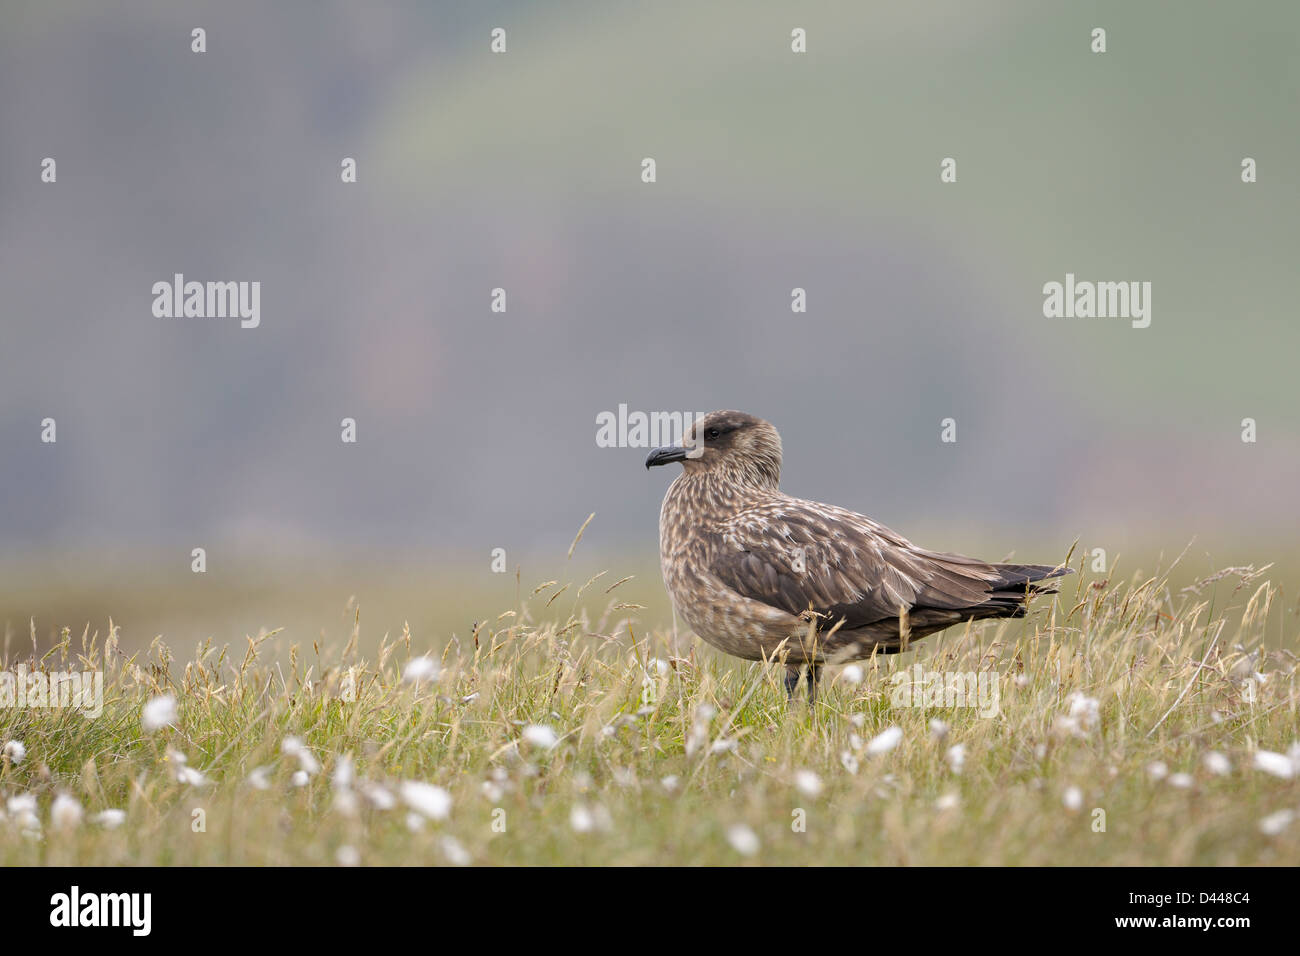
717,492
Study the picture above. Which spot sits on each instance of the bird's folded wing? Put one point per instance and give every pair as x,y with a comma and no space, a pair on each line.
800,556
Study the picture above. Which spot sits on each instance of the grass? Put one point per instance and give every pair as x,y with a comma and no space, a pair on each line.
660,751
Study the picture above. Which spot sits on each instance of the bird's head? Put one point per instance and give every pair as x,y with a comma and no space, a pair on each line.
728,444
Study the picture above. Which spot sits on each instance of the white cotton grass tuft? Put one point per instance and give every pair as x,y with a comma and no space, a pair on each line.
109,819
347,855
1278,765
852,674
657,667
742,839
15,751
586,819
540,736
1084,711
259,778
22,807
1073,799
1180,780
939,729
581,820
1218,764
808,783
65,812
158,712
378,796
191,777
454,852
1157,770
1275,823
300,778
426,799
344,774
420,669
949,801
307,762
956,757
885,741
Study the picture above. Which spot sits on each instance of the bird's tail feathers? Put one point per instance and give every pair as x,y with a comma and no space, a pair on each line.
1036,578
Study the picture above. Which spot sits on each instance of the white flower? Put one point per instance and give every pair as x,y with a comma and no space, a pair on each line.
852,674
1275,823
938,729
885,741
1073,799
1085,710
1217,763
539,735
23,809
109,819
670,782
65,812
420,669
294,747
1279,765
190,776
456,854
742,839
1067,726
948,801
433,802
809,784
15,751
344,773
1181,780
347,856
581,820
956,757
158,713
300,778
260,778
1157,770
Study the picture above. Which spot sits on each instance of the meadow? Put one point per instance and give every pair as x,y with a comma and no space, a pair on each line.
1143,719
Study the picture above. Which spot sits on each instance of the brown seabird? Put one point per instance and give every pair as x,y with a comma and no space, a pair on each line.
759,574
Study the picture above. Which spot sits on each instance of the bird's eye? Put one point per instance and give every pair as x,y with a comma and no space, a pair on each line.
712,433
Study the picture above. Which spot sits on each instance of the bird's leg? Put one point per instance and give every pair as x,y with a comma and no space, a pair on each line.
814,675
792,681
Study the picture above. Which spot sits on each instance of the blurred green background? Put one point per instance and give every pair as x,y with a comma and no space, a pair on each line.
476,430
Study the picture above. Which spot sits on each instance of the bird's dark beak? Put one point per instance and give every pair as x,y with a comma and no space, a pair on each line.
665,456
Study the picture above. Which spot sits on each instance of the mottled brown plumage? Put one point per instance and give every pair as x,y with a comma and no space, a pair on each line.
750,568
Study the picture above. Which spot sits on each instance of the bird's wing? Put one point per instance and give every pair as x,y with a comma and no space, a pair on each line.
800,555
